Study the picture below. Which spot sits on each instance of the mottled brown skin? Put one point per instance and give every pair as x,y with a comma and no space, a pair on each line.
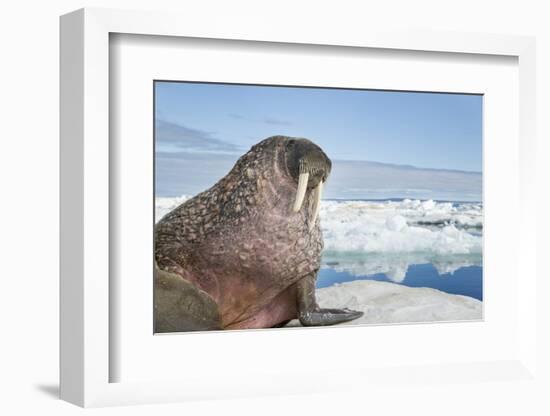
240,246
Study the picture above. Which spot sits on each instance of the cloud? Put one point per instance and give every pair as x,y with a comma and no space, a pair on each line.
174,137
276,121
266,120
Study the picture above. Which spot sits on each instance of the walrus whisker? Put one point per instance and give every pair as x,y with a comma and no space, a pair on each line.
301,191
318,194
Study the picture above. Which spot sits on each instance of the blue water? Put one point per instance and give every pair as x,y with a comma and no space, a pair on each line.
467,281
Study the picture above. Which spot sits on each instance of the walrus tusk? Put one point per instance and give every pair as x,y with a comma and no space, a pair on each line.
318,194
301,191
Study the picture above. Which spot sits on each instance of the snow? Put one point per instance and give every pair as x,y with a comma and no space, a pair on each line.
163,205
401,227
385,303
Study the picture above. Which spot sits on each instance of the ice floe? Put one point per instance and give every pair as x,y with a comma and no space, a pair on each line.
402,226
385,303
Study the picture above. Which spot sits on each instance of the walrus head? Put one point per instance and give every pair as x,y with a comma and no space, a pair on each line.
310,167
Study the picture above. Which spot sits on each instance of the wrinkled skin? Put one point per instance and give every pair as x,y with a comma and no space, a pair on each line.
237,255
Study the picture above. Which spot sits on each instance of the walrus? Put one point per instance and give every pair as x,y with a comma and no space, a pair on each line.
246,252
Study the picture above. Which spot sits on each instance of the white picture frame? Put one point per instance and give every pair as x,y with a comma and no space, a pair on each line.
86,353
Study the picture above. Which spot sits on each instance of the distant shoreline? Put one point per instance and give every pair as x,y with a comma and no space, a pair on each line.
392,199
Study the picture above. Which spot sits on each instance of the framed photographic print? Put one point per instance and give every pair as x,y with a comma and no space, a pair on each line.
229,197
260,233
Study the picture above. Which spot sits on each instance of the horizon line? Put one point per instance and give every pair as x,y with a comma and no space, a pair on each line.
229,153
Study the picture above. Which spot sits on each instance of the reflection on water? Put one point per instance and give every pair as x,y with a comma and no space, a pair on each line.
456,274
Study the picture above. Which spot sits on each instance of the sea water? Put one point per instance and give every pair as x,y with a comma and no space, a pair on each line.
467,281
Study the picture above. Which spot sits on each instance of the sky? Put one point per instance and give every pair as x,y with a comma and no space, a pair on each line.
211,125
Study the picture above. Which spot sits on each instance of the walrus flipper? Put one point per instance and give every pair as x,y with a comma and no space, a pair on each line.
181,306
310,314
